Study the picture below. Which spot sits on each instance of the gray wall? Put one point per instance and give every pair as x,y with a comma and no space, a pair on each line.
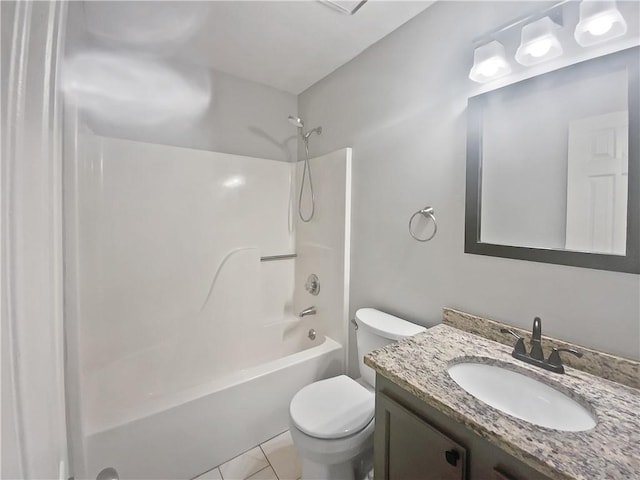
401,106
242,118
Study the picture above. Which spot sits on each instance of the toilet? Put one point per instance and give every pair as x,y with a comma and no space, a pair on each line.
331,421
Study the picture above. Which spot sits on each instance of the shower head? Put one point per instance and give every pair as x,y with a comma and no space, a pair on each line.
296,121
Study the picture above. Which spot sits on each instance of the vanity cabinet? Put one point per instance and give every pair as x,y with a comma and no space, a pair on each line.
415,449
414,441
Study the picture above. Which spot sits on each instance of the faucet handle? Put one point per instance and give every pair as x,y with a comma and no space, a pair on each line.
510,332
554,357
519,346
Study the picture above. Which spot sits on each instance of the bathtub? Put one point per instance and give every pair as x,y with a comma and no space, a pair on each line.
180,432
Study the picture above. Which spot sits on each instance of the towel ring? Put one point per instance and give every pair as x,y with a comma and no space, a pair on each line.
426,212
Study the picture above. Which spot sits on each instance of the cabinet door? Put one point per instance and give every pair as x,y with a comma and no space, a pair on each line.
412,448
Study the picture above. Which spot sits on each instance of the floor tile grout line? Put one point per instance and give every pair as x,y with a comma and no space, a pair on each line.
269,461
247,451
269,439
239,455
207,471
261,470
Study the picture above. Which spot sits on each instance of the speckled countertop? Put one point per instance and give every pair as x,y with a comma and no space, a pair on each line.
611,450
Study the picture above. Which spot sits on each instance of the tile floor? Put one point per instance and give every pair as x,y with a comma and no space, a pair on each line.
275,459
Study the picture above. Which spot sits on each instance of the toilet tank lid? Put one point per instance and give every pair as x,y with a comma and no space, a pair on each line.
386,325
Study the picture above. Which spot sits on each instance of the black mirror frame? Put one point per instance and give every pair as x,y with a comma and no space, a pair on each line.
629,263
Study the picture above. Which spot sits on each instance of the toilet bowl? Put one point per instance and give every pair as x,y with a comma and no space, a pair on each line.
332,421
331,424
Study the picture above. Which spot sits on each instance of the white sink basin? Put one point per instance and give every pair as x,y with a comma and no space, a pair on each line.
522,396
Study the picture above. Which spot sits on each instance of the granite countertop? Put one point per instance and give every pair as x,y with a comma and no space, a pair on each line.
611,450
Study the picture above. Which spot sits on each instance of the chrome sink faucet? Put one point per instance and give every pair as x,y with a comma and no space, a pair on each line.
536,355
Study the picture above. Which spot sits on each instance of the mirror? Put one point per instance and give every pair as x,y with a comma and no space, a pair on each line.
553,167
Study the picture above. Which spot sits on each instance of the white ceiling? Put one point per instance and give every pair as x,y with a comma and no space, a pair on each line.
289,45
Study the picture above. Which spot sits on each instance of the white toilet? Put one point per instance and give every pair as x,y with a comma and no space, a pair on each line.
331,421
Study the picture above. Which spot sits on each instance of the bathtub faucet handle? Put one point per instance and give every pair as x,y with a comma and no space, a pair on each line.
307,311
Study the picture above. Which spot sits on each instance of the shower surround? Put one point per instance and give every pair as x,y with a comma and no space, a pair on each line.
184,347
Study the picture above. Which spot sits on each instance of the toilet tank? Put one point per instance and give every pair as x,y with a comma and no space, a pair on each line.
375,330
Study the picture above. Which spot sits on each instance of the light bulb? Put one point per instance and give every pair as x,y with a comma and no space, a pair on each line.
600,21
489,67
600,26
489,62
538,42
540,48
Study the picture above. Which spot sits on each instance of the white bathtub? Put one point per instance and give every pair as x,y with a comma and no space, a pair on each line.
181,433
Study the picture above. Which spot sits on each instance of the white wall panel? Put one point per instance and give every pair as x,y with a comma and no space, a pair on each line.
323,244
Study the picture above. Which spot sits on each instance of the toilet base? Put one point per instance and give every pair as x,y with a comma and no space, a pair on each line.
349,458
355,469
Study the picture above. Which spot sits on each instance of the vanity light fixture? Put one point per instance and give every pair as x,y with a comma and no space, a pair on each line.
489,62
600,21
349,7
538,42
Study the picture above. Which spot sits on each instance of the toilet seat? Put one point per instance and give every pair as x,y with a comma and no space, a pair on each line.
333,408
